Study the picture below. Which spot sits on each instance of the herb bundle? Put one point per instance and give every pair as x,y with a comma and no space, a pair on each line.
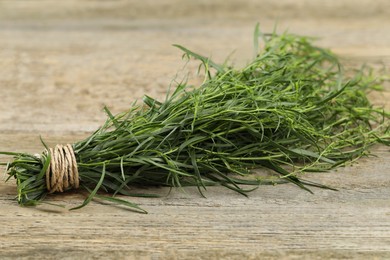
292,109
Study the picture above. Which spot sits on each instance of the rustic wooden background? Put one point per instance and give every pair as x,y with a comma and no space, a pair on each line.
60,61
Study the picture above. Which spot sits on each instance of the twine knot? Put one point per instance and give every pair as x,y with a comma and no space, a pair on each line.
62,172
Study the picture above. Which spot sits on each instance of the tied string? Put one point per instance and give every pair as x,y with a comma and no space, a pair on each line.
62,172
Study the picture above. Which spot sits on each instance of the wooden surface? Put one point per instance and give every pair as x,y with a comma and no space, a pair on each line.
60,61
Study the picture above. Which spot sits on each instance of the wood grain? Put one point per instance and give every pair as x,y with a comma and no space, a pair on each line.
59,65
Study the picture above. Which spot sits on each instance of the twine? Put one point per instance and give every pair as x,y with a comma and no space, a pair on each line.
62,172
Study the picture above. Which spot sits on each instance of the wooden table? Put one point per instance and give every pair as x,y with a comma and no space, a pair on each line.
60,61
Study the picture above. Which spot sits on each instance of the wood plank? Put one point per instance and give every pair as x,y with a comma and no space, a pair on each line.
59,66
